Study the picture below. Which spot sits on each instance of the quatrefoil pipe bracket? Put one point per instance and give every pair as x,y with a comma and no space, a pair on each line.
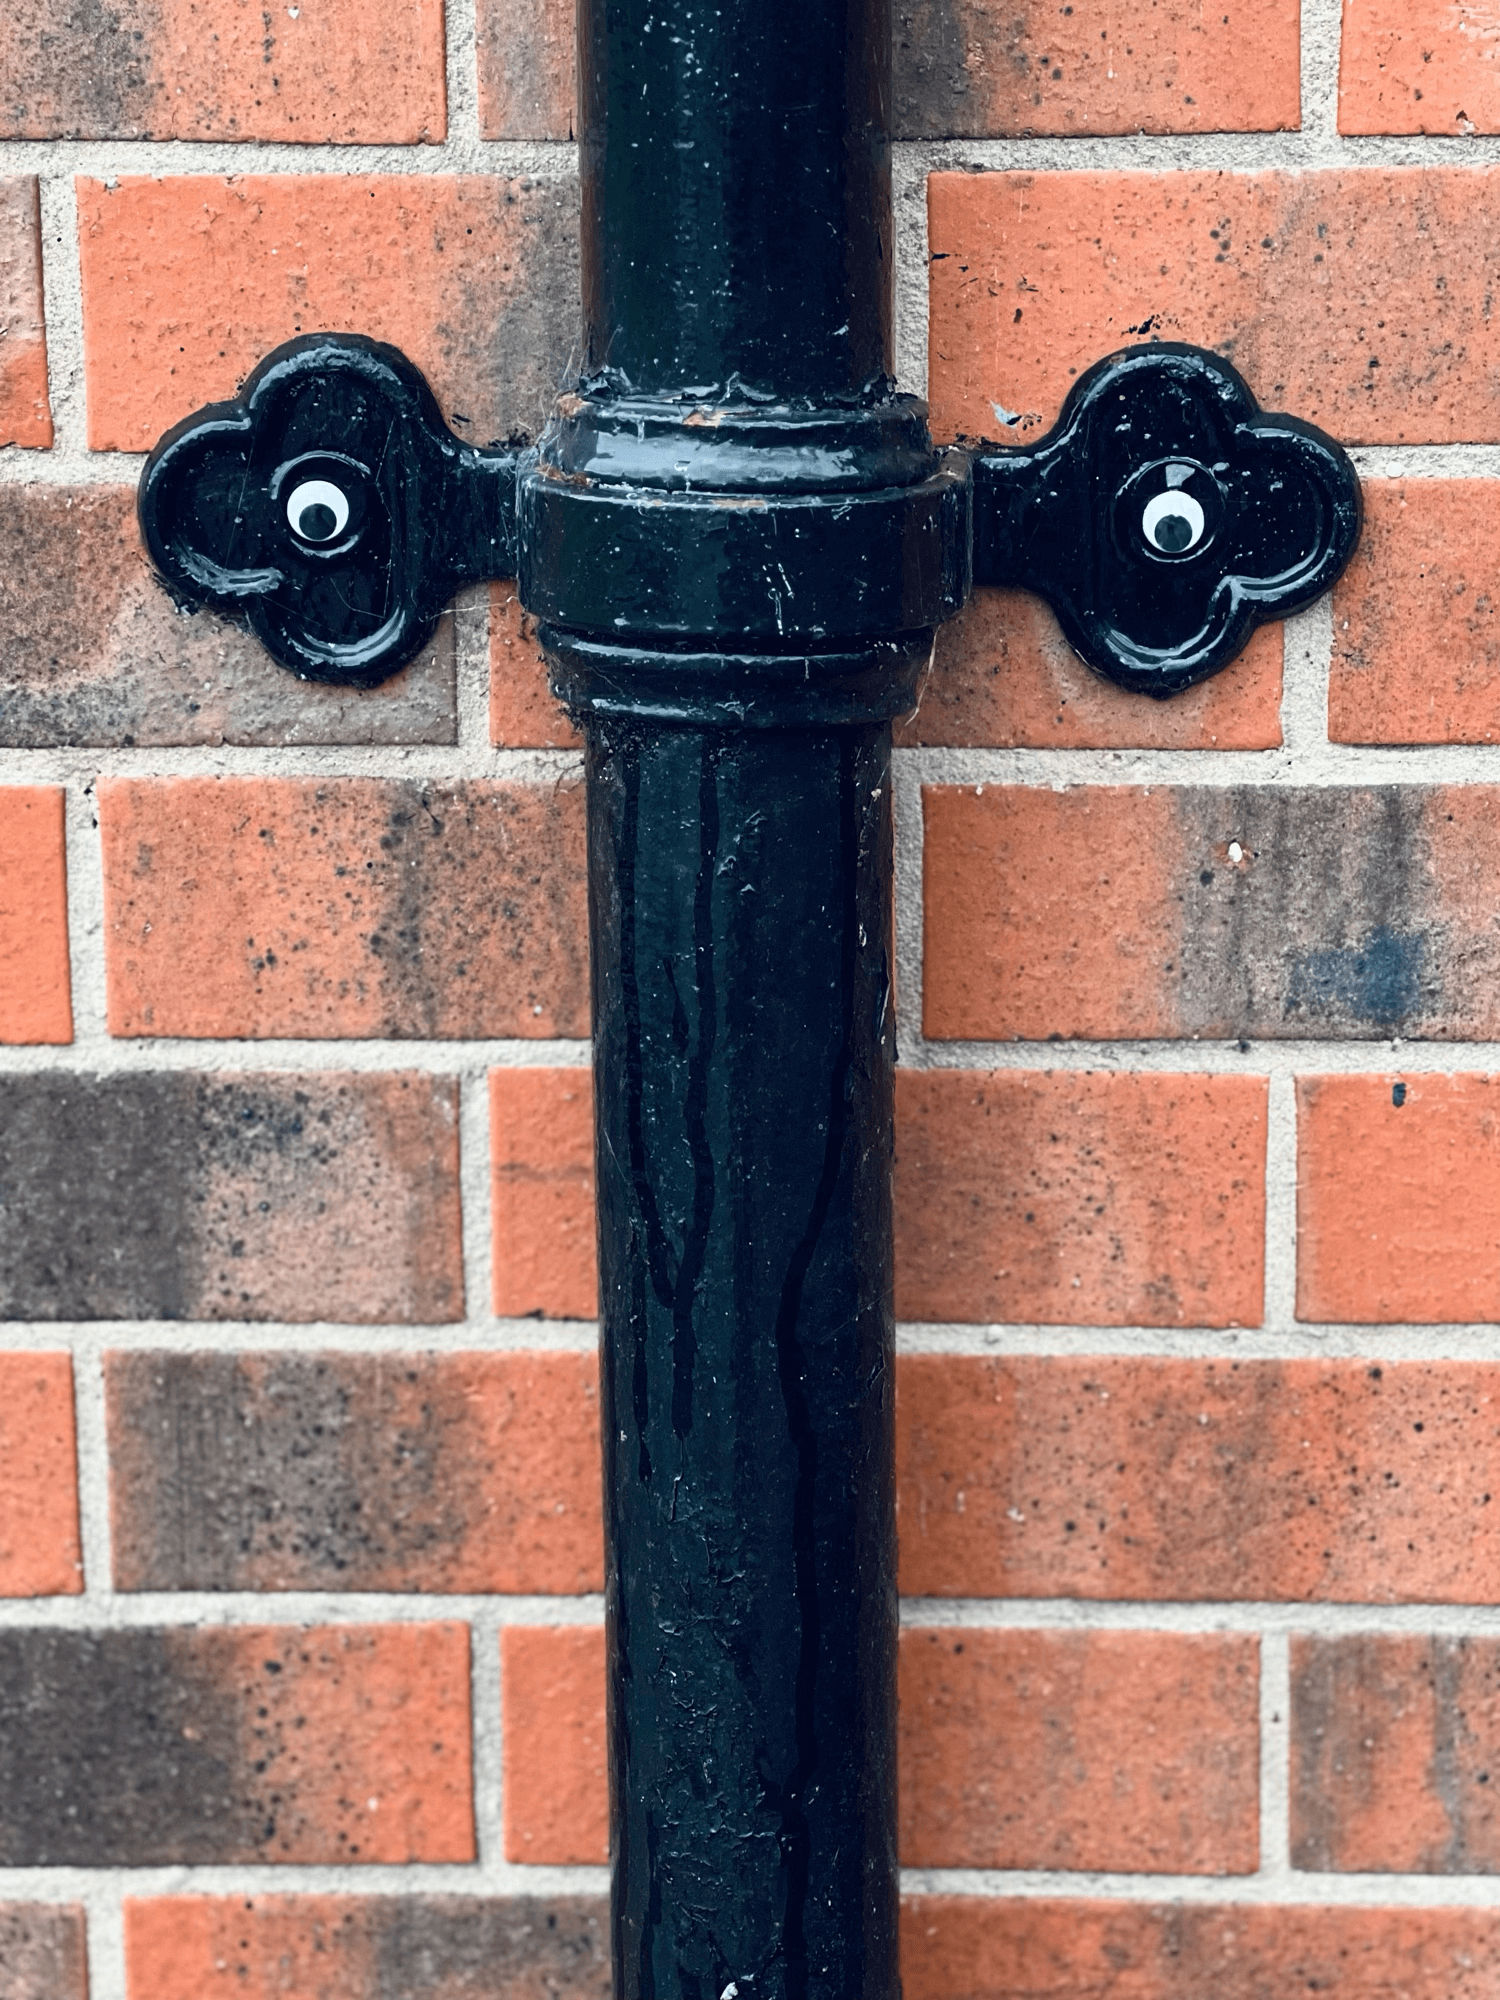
329,508
745,549
1165,516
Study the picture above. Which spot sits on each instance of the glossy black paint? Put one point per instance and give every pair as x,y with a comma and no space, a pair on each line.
739,540
427,512
1165,516
737,233
739,894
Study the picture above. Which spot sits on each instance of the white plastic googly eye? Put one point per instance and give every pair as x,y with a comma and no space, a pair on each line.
1173,523
318,511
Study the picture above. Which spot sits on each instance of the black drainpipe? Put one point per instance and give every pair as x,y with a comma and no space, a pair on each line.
739,540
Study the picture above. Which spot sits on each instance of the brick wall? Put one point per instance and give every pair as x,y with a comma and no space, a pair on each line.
1199,1114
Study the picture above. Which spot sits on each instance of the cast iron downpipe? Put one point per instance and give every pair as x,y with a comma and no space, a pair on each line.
739,540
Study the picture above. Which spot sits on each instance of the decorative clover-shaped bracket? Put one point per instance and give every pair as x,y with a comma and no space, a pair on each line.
331,509
1165,516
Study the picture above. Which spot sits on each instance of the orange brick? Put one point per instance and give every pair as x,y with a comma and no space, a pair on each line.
365,1948
40,1555
1397,1186
321,907
288,1471
1136,1751
996,1769
316,1746
35,994
542,1154
524,712
1356,299
1395,1741
1337,911
1099,1200
1418,66
1416,620
189,281
979,69
527,72
188,69
25,411
1146,1479
1001,1947
552,1719
1003,676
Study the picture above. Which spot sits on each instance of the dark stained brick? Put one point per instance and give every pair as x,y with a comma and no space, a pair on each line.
43,1955
473,1472
344,906
25,413
1396,1754
178,1196
174,69
978,69
218,1744
527,73
376,1948
1007,1947
1324,911
92,650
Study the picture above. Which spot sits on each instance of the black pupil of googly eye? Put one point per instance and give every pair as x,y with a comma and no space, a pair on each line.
317,523
1173,533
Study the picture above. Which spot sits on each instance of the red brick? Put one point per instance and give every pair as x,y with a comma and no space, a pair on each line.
1348,912
366,1948
1080,1199
336,907
527,73
43,1954
35,993
189,281
1410,1234
524,712
1356,299
555,1791
179,69
1004,676
1003,1947
1018,1749
40,1554
216,1744
1135,1751
1147,1479
980,69
25,411
92,650
1416,637
1395,1754
1417,66
542,1151
435,1472
1074,1179
266,1196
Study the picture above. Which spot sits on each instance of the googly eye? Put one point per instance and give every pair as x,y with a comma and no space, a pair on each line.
1173,523
317,510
